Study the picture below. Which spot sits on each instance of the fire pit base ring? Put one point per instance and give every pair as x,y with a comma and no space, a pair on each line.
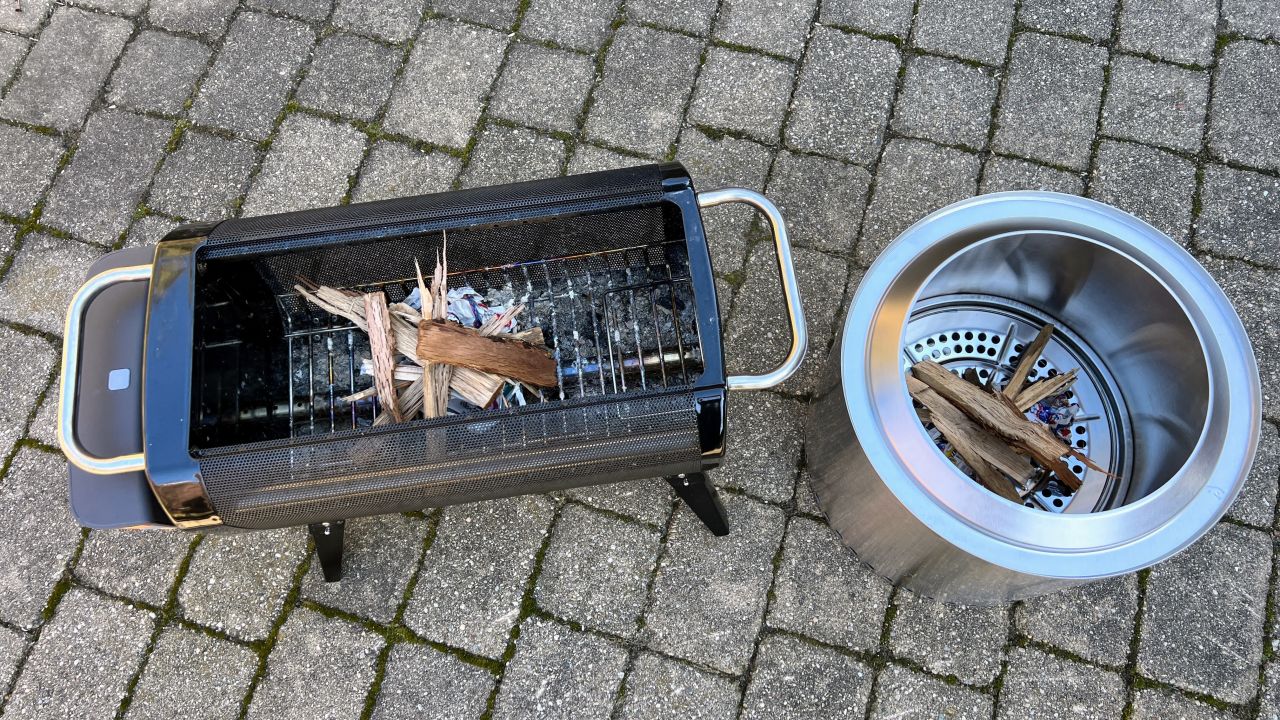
1168,391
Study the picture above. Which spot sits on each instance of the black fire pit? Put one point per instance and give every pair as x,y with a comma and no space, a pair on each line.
199,390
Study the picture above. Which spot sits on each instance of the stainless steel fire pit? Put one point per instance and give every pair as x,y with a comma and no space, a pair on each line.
1168,392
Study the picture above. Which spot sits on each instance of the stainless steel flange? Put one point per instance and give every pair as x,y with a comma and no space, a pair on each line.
1169,398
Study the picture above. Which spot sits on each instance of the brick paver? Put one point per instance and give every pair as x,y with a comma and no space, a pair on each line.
119,118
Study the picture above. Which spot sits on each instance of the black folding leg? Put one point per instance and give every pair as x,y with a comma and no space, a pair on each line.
328,537
701,497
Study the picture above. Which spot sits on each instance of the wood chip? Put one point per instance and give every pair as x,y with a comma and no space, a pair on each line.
1041,389
1030,354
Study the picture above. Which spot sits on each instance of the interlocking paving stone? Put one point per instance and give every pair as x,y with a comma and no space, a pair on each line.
135,564
721,162
199,17
204,676
158,72
1163,705
542,681
902,694
945,101
429,685
1255,18
589,158
496,13
710,592
119,7
648,75
395,170
1001,174
381,554
648,501
1087,18
949,639
797,679
441,93
27,163
44,426
806,500
45,273
1049,107
350,76
395,20
777,27
1256,504
148,231
596,570
1203,616
204,178
1269,701
310,165
880,17
693,16
915,178
1178,30
504,155
1244,112
95,196
1093,621
976,31
743,92
253,72
1156,103
63,72
82,663
581,24
1155,185
658,687
758,335
26,366
823,592
13,646
315,10
764,435
543,88
1256,297
473,577
841,102
24,18
309,641
37,534
237,583
13,48
1076,692
821,199
1240,215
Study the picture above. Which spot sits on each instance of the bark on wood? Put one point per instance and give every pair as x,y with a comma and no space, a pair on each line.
1030,354
381,342
1041,389
968,438
445,342
999,415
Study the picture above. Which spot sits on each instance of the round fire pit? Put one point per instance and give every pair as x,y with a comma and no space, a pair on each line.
1168,395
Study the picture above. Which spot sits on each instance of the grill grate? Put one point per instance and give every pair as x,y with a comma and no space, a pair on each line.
616,321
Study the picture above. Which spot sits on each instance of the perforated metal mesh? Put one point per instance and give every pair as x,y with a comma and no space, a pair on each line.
452,460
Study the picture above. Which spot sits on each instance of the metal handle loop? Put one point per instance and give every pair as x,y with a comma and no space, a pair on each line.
790,288
76,454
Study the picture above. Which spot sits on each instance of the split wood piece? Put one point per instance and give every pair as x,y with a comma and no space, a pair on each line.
348,304
410,404
1030,354
999,415
450,343
381,342
435,305
970,376
369,392
980,449
1041,389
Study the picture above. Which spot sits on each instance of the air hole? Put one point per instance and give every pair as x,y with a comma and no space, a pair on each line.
1032,375
1045,492
1077,469
942,337
1041,362
919,347
968,336
955,336
1017,348
982,337
991,352
1029,504
1081,443
1057,502
983,373
982,349
929,342
936,355
958,349
968,348
995,338
946,351
1053,373
1071,393
1079,429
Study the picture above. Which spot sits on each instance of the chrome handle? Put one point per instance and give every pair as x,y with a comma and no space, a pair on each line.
77,455
790,288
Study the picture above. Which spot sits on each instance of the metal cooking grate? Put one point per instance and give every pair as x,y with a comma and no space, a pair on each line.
987,334
616,321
